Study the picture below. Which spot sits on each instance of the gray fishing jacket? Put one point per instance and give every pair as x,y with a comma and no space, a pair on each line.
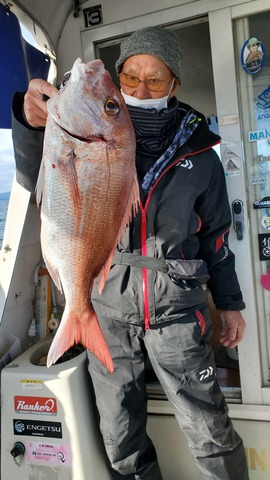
177,241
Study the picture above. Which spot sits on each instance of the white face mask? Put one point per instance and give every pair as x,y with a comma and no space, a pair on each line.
157,103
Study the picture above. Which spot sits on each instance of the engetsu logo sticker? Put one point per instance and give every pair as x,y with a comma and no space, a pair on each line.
34,428
19,427
35,405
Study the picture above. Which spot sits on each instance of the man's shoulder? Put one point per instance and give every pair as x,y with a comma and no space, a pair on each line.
202,138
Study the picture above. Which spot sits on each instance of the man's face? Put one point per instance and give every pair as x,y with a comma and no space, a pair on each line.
147,67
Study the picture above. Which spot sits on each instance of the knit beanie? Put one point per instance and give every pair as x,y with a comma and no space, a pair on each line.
157,41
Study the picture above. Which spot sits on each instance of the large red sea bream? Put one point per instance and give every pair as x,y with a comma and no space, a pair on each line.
88,188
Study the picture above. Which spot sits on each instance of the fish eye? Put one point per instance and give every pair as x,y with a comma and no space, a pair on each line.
111,106
65,80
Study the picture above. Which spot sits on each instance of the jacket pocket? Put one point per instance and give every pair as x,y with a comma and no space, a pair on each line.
187,270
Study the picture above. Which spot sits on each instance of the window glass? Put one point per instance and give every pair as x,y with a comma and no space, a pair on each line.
253,64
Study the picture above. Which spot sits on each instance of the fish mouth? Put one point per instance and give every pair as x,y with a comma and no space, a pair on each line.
91,139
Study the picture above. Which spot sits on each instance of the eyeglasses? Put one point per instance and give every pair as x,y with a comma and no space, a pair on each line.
153,84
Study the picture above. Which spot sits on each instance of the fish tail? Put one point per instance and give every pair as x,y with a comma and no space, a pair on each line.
74,329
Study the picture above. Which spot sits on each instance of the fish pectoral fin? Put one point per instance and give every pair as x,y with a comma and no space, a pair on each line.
85,330
67,162
40,183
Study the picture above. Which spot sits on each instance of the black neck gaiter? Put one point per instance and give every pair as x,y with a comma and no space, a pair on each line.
155,130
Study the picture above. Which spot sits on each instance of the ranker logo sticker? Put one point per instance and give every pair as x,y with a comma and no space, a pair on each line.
36,405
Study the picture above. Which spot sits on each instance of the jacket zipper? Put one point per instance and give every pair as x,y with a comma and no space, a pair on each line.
201,322
144,235
144,270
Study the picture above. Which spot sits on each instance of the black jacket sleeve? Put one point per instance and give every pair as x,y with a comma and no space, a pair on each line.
214,211
28,145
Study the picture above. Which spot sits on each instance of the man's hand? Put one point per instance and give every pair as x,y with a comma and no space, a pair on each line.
233,327
35,108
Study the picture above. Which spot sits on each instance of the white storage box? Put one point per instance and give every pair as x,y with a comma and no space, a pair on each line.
50,411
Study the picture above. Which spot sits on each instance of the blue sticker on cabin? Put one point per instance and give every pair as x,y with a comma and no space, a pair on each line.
252,55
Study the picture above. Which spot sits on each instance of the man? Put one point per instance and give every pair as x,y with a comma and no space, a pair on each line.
153,303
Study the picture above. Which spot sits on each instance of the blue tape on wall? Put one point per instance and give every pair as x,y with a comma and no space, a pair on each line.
19,63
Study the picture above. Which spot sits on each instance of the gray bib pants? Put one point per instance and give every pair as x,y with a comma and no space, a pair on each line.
184,364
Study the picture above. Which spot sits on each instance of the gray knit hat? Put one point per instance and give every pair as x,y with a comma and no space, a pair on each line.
157,41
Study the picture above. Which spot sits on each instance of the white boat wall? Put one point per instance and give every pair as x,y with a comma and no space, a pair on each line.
52,411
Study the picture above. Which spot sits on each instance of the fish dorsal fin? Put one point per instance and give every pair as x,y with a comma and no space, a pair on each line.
132,207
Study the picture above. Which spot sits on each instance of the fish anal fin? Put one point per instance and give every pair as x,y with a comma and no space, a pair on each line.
85,330
105,271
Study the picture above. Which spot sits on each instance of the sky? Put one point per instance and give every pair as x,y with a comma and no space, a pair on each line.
7,162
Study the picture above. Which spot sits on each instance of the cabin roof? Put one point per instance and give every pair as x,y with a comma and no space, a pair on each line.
50,15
